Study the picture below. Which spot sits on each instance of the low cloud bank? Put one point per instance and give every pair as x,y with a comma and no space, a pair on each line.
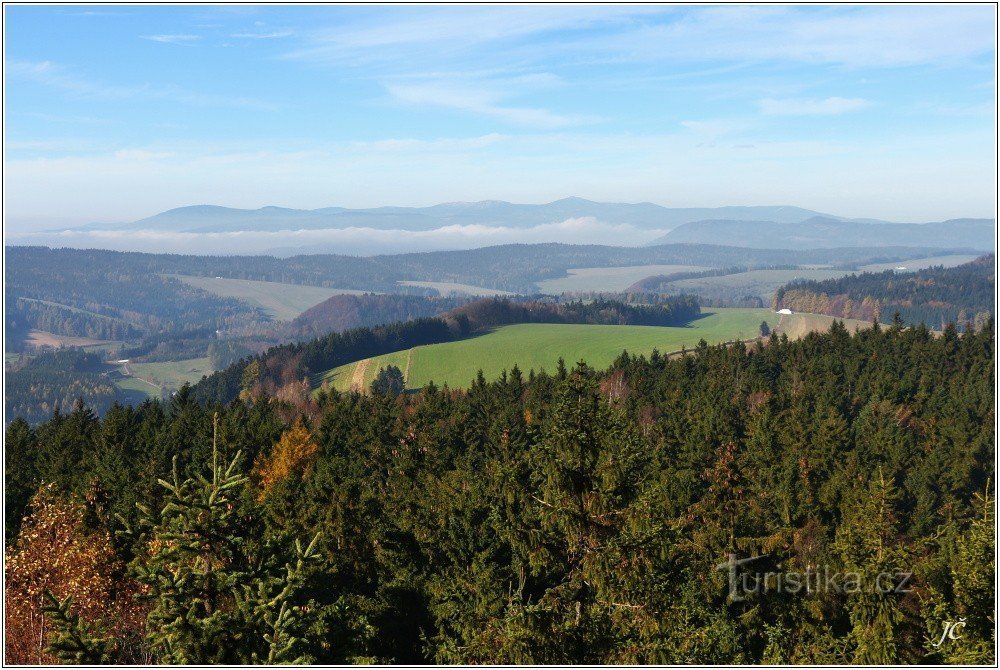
352,241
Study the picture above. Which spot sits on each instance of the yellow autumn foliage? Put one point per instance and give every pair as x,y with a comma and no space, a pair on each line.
294,454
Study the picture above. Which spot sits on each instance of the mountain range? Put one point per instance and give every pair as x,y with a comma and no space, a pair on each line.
280,231
645,215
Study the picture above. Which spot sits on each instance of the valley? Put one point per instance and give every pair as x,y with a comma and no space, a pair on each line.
178,327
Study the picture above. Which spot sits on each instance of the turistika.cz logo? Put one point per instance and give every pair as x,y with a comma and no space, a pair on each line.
743,583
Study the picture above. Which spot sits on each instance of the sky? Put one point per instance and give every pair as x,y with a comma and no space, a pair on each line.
114,113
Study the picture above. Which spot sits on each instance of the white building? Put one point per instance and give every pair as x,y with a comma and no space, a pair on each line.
784,311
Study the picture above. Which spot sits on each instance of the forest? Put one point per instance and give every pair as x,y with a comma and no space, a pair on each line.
588,516
935,296
36,388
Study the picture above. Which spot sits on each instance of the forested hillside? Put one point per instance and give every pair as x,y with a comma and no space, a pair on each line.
107,296
32,391
344,312
512,267
585,517
935,297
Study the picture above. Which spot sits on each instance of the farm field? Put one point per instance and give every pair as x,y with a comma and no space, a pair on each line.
171,374
798,325
283,302
921,263
608,279
41,338
447,288
761,283
538,346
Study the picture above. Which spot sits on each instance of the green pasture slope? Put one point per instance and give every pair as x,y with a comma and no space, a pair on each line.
172,374
539,346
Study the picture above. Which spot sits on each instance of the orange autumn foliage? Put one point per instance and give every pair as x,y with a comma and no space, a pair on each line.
56,551
294,454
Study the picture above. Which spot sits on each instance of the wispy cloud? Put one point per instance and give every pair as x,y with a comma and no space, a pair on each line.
480,100
430,31
811,106
54,76
185,40
269,35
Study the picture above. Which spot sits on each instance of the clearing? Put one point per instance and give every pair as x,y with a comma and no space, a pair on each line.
448,288
283,302
761,283
41,338
168,374
609,279
921,263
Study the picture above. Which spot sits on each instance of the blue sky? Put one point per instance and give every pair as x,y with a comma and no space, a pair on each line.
114,113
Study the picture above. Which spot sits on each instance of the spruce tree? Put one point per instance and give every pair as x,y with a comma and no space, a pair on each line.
214,596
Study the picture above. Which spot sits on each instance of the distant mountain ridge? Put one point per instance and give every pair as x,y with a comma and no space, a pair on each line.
645,215
823,232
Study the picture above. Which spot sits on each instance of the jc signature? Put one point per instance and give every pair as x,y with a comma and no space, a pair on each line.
951,632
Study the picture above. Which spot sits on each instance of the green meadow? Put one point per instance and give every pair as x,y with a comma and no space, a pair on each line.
539,346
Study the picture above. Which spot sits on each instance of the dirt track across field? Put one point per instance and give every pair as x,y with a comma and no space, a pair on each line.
358,377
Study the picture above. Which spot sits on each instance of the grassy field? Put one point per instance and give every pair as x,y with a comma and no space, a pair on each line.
447,288
537,346
137,388
281,301
762,283
171,374
608,279
921,263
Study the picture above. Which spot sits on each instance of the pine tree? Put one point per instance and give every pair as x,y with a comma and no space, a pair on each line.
213,598
389,381
868,543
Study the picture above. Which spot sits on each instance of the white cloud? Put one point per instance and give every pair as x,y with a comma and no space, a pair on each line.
886,36
479,100
272,35
173,39
811,106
